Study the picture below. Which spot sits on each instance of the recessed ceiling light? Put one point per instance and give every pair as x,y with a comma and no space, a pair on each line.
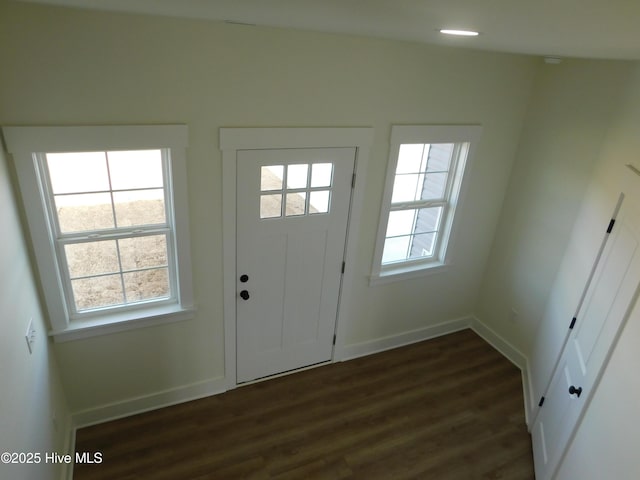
461,33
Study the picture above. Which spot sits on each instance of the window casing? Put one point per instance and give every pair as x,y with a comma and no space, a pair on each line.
423,188
107,213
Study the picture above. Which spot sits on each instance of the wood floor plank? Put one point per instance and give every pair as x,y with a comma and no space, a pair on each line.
448,409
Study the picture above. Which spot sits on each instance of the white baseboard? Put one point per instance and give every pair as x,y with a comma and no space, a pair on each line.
66,472
350,352
145,403
512,354
527,392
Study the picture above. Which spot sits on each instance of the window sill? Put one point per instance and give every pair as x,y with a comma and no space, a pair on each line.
406,272
120,322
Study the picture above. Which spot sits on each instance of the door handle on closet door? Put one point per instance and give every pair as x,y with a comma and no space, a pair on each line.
244,294
575,391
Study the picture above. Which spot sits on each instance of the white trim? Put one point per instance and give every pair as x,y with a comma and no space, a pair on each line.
457,184
181,227
26,143
128,320
229,263
507,350
21,140
406,272
146,403
512,354
267,138
234,139
435,133
66,472
352,245
527,391
371,347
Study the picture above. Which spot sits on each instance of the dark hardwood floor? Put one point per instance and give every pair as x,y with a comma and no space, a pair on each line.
448,408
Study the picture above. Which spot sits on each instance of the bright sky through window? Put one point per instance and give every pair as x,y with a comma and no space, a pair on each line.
87,172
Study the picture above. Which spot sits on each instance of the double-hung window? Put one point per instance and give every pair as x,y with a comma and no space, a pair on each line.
423,188
106,208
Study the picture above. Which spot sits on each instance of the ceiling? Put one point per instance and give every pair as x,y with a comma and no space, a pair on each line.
567,28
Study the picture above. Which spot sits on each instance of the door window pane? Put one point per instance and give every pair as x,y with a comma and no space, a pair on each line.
297,176
271,177
321,174
271,206
319,201
296,204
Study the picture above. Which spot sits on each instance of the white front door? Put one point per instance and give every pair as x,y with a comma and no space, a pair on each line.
607,304
292,214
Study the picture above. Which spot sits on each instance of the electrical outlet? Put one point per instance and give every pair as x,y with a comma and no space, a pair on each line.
30,336
513,315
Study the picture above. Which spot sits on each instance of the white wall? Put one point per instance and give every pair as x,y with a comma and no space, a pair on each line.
569,114
72,67
605,445
31,391
78,67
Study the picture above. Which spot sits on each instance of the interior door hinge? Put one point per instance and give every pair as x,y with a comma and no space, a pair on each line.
541,401
611,224
334,338
344,264
573,323
353,181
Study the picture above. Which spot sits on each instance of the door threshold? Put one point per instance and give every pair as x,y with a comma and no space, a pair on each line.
282,374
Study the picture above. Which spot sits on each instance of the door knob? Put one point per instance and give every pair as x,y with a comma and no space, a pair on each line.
244,294
575,391
244,278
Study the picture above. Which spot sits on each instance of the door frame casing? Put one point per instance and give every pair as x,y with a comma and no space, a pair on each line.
234,139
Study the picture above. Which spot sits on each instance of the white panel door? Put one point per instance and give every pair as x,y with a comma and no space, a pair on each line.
607,304
292,214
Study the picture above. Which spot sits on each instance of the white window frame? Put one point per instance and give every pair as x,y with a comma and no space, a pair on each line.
28,145
466,138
